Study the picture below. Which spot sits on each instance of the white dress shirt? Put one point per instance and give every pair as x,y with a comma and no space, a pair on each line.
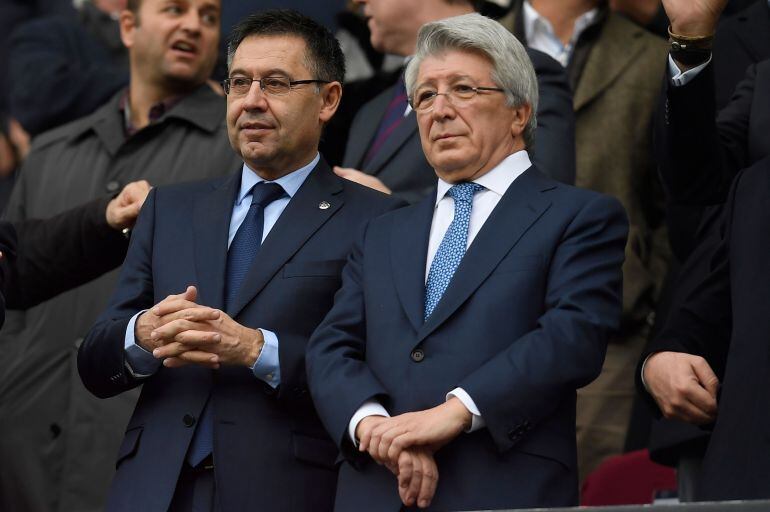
495,183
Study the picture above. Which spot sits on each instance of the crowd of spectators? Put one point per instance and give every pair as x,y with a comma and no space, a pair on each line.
661,105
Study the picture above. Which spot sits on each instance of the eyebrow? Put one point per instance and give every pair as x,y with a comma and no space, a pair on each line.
270,72
453,78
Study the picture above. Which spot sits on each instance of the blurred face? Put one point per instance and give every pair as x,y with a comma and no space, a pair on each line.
277,134
394,24
172,42
465,140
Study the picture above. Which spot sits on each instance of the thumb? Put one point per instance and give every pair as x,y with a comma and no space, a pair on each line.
191,293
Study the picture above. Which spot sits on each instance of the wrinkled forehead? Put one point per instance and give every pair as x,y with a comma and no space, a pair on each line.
270,55
453,65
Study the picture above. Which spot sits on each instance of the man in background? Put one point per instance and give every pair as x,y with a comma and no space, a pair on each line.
57,441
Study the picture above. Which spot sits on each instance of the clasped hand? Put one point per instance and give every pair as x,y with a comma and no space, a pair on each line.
179,331
405,444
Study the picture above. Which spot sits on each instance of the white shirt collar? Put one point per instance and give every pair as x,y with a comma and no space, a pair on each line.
290,182
537,27
499,178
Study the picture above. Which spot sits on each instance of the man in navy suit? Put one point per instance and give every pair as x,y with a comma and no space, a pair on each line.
435,360
225,421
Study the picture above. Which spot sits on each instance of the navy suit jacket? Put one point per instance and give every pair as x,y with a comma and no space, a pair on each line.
522,325
267,443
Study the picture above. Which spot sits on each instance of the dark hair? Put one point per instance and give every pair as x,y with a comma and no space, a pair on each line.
133,5
324,57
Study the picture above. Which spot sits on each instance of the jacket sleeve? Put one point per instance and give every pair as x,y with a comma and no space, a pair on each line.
699,153
526,382
101,357
340,380
60,253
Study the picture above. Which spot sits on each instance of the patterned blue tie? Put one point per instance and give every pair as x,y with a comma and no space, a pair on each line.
452,248
241,254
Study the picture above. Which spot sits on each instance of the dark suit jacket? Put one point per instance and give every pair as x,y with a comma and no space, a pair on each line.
268,444
42,258
523,324
741,40
401,164
720,313
699,158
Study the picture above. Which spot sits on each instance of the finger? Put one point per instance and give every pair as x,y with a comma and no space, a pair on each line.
172,349
415,482
405,469
706,376
383,451
193,357
170,330
205,340
401,442
341,171
200,314
429,481
702,400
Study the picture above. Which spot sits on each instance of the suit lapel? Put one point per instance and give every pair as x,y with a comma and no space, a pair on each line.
408,254
517,210
211,226
301,218
614,51
397,138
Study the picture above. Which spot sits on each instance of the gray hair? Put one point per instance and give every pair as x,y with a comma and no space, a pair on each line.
512,69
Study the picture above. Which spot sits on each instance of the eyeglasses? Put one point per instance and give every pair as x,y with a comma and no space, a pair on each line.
272,85
458,95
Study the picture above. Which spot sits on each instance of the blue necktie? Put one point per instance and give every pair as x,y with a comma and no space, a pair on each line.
452,248
241,254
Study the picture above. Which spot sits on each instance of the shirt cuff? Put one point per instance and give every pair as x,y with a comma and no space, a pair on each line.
679,78
139,362
477,421
642,370
369,408
267,367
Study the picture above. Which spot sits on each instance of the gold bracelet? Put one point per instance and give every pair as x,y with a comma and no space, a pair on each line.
690,42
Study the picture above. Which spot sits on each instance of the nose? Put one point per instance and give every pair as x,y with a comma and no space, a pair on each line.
191,21
255,99
442,107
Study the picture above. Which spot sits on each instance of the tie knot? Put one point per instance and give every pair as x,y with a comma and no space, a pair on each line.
265,193
464,191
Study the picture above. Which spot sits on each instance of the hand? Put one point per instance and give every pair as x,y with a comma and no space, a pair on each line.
169,309
203,335
432,428
694,17
123,210
417,477
361,178
19,138
683,385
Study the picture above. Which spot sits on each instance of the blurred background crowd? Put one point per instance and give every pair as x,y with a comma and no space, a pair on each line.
87,107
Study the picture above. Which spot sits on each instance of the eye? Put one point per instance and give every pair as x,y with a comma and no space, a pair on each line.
424,95
276,85
463,90
240,84
173,9
210,19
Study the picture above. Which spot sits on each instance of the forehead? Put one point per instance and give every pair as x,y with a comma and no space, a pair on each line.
454,64
265,54
198,4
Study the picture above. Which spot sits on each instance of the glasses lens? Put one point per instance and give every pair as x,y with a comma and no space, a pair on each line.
423,99
276,85
240,85
463,92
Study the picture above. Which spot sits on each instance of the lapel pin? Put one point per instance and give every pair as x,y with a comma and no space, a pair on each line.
323,205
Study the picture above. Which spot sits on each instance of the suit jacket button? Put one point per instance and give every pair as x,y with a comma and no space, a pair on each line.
417,355
113,186
188,420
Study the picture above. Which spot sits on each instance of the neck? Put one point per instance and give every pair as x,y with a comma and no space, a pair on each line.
563,14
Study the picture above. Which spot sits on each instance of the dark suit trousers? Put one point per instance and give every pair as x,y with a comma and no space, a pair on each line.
195,490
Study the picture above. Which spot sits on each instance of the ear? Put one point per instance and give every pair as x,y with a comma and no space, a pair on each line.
331,94
521,115
128,22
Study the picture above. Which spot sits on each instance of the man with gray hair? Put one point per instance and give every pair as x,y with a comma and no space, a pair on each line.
466,322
